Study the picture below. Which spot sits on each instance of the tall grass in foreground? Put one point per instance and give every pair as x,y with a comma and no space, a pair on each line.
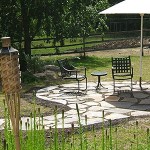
95,137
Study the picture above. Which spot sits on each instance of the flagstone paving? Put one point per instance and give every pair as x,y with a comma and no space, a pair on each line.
93,104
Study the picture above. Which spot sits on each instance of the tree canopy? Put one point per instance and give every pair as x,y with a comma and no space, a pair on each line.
24,19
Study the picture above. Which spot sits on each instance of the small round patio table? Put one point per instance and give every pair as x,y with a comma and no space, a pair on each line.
99,74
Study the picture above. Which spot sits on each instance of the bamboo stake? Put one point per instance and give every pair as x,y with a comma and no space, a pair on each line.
13,109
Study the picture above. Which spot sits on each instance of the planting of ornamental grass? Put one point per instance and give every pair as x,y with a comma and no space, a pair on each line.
131,136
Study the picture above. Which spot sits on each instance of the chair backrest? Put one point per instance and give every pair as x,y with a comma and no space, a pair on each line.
64,64
121,65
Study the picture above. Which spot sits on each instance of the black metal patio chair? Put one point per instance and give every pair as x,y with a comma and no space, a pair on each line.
70,72
122,69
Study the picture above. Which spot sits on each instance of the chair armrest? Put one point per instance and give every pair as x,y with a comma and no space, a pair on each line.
82,69
78,70
112,70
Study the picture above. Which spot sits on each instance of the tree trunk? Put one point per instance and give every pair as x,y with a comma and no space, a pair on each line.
84,45
26,27
27,45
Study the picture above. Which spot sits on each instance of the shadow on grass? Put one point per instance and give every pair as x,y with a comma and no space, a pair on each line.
93,62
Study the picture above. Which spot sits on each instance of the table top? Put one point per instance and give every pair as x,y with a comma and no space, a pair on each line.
98,73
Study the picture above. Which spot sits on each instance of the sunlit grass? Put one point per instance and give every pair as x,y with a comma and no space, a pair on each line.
95,63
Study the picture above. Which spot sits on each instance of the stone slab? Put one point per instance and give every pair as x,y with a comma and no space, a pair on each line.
140,95
140,113
92,114
140,107
91,103
106,104
112,98
119,110
145,101
129,99
121,104
115,116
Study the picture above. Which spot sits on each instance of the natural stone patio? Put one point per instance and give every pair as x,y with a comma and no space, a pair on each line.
91,103
116,106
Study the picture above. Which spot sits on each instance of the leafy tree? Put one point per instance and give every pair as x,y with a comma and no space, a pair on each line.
84,17
24,19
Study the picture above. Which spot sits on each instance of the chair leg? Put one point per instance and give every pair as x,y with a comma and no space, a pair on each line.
131,85
78,86
86,83
114,84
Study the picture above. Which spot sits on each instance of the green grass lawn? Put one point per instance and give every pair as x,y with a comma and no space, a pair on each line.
95,63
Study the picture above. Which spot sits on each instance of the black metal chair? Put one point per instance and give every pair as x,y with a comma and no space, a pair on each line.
70,72
122,69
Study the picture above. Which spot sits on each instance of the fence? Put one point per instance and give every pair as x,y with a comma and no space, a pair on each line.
93,42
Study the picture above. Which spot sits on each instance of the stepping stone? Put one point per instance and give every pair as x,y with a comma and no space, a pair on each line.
42,94
54,95
85,99
76,116
74,101
74,112
80,106
140,113
94,108
71,112
91,92
112,98
94,121
97,108
50,118
45,98
140,107
115,116
106,104
140,95
125,95
122,104
132,100
103,108
98,99
64,102
68,97
119,110
92,114
69,120
145,101
66,126
91,103
47,122
94,96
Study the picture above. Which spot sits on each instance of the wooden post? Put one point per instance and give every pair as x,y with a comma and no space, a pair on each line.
10,76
